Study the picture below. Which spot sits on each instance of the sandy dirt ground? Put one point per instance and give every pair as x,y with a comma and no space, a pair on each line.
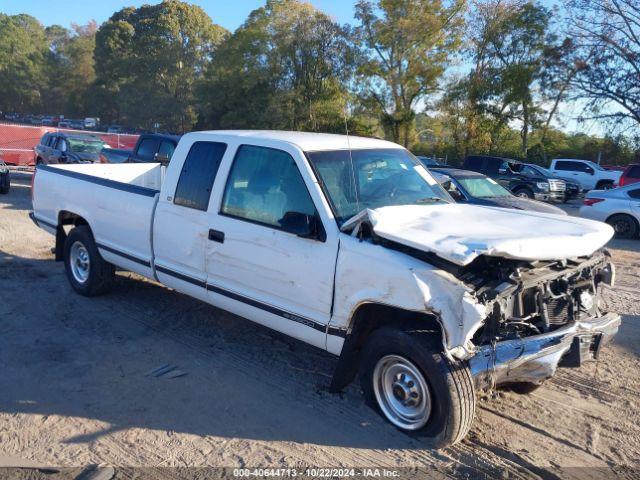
73,389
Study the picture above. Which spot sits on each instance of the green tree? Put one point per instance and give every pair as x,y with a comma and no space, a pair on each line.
406,45
23,47
149,60
285,67
69,69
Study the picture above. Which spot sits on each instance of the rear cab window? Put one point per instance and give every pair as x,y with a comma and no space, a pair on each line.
148,148
198,173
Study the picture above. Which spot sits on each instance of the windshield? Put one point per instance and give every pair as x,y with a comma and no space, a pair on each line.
380,178
86,145
479,187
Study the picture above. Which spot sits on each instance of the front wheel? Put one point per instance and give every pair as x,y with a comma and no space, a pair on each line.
523,193
408,380
88,273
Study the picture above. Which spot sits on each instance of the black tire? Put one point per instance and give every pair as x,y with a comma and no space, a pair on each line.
604,185
625,226
523,192
100,274
523,388
450,384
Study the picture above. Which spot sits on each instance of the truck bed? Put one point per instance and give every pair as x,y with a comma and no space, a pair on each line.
116,200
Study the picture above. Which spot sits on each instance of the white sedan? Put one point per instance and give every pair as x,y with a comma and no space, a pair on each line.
619,207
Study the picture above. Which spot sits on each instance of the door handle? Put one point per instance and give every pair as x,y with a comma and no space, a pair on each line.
216,236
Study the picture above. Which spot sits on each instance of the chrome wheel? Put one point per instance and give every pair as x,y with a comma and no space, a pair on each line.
79,262
402,392
522,195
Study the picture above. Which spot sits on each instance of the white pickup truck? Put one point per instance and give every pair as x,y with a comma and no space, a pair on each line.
588,174
348,244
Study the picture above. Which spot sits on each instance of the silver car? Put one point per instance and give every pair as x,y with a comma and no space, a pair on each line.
619,207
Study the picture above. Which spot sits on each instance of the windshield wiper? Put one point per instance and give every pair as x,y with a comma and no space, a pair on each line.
430,200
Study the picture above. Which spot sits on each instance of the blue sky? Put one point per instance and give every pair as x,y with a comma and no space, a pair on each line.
228,13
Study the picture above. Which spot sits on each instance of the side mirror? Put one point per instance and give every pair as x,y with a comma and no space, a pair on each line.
589,170
302,225
162,158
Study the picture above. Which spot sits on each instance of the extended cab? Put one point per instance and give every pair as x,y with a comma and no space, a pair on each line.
513,176
350,245
588,174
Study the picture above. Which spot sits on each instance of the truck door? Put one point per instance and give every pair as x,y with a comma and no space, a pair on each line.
181,221
268,255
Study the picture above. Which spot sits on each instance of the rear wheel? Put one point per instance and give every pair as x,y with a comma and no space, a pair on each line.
625,226
408,380
523,193
88,273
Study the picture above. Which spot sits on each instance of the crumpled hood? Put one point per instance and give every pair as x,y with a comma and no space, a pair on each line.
460,233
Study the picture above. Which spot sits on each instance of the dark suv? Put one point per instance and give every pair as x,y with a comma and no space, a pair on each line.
512,175
68,148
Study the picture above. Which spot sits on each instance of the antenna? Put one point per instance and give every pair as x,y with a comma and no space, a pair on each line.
353,170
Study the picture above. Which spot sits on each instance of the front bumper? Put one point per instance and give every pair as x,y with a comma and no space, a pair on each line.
553,196
536,358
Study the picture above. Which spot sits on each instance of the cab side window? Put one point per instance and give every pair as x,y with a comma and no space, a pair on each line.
265,185
198,173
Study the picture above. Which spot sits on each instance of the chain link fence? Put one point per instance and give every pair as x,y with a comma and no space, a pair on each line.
18,141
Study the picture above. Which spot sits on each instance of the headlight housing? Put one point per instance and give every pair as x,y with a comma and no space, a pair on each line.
544,186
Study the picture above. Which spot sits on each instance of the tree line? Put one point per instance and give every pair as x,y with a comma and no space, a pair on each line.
443,77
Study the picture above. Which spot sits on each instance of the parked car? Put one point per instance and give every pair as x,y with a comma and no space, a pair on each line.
572,189
507,172
64,124
619,207
428,161
466,186
68,148
350,245
90,123
154,147
588,174
115,129
76,124
114,155
150,147
5,178
630,175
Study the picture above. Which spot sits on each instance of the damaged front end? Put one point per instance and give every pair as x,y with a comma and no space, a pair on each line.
543,315
515,318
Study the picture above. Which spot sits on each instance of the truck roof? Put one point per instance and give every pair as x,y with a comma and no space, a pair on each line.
307,141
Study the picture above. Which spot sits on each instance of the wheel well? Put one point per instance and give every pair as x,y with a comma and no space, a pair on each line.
635,220
366,319
65,218
522,187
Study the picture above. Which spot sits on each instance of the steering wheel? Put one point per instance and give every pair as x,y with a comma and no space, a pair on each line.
387,189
